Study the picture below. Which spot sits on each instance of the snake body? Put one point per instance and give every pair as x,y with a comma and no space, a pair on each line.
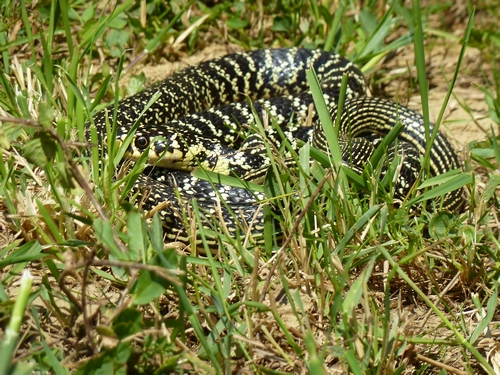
202,117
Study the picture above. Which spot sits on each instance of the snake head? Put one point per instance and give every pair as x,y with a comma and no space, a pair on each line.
162,147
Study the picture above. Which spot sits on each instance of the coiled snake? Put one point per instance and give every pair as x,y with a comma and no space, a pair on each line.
202,115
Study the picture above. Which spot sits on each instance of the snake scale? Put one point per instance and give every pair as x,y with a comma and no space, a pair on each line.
202,118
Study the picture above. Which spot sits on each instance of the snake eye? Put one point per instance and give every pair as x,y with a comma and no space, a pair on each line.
141,142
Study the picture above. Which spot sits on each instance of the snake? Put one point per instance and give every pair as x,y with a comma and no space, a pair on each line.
204,117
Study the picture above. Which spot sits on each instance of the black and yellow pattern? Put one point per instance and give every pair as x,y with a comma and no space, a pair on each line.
203,115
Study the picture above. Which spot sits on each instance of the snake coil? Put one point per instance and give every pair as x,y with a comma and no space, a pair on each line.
201,119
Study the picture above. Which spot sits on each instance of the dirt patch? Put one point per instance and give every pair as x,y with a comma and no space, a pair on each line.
466,116
165,68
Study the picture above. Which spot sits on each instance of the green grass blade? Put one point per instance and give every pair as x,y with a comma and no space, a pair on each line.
448,185
421,67
490,313
218,178
11,335
360,223
430,138
331,131
331,43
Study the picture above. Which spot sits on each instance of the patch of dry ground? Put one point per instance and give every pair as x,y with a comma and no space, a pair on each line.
442,57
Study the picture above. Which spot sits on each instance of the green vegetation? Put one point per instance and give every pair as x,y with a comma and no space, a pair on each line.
354,284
